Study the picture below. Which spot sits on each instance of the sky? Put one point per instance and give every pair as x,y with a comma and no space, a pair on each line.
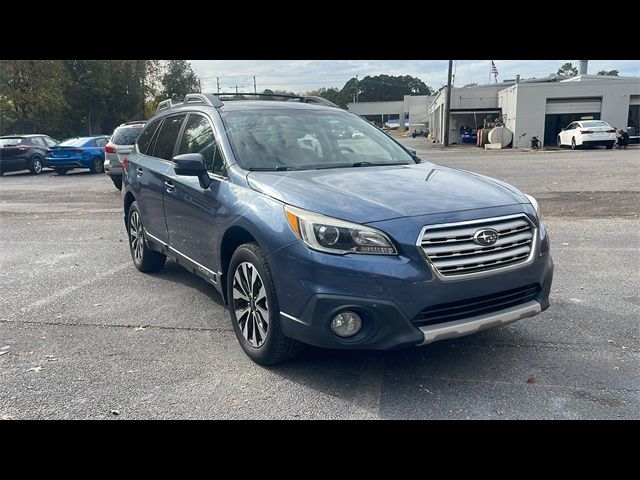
304,75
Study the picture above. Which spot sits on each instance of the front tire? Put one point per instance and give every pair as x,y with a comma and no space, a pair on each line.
254,309
559,142
610,145
145,259
97,165
36,166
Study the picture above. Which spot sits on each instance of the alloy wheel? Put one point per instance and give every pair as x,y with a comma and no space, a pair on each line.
250,304
37,166
135,236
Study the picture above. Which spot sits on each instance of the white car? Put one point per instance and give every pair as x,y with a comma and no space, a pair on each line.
588,133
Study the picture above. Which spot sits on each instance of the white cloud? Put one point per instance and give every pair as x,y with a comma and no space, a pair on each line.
303,75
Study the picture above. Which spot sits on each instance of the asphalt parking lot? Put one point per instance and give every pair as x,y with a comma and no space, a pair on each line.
83,334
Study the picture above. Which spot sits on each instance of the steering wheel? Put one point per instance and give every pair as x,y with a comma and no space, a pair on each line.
347,149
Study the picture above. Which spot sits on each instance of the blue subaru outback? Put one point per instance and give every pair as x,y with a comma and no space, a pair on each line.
318,228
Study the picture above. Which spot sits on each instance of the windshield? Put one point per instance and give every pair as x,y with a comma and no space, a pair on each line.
10,142
595,124
74,142
308,139
126,135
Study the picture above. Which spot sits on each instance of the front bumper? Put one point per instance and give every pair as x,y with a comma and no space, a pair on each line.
389,293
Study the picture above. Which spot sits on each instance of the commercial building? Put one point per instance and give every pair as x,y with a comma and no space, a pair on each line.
411,112
539,107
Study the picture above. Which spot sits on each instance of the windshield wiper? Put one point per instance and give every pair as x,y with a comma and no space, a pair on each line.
278,168
360,164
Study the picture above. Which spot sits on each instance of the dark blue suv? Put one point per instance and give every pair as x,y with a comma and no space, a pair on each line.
318,228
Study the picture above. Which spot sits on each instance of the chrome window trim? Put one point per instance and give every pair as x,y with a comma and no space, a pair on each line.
485,273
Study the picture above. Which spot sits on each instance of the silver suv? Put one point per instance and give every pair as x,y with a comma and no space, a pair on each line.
120,145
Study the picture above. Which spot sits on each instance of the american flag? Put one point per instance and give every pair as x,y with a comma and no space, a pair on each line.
494,70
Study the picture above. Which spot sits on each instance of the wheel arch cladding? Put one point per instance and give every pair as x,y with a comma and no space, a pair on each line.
232,239
128,201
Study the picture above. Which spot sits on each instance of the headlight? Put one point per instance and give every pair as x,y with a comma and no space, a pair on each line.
534,202
336,236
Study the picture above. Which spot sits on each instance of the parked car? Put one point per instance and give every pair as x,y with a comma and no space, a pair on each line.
587,133
24,152
78,152
361,246
119,146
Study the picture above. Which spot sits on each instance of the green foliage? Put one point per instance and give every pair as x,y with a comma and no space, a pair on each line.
611,73
567,70
31,94
178,80
65,98
379,88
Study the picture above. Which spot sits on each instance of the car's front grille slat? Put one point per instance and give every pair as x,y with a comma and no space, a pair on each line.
452,251
452,311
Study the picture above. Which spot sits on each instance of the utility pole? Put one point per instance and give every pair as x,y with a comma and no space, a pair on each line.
447,107
255,90
236,89
218,84
356,88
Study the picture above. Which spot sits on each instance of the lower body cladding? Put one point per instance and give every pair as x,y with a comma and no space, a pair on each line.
399,302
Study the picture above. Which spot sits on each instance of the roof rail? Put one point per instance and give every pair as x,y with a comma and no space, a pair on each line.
133,122
289,97
166,105
213,100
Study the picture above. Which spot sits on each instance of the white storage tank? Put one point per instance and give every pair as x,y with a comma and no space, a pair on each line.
501,135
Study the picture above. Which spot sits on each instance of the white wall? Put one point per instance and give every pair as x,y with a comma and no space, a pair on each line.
531,102
376,108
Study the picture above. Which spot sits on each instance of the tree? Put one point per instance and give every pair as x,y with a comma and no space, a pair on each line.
567,70
611,73
178,80
31,95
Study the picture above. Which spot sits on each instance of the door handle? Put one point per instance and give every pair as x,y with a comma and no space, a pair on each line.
139,171
170,186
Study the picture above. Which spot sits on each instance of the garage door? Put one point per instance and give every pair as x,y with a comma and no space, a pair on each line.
557,106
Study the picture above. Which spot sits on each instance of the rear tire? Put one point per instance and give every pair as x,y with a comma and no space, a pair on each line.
145,259
61,171
573,144
117,181
97,165
256,320
609,145
35,167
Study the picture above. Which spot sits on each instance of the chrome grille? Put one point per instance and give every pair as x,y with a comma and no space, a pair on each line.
452,252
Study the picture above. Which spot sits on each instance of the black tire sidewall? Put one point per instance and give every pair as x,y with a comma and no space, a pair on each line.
33,165
98,167
574,145
247,253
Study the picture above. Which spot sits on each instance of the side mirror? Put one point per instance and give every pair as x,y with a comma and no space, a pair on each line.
192,165
413,151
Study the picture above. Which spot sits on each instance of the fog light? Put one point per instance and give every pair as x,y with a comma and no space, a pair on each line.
346,324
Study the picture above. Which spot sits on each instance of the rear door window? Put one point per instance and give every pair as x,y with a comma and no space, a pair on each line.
125,135
144,140
101,142
167,137
37,141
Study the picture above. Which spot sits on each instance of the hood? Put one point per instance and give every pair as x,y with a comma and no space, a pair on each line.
371,194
